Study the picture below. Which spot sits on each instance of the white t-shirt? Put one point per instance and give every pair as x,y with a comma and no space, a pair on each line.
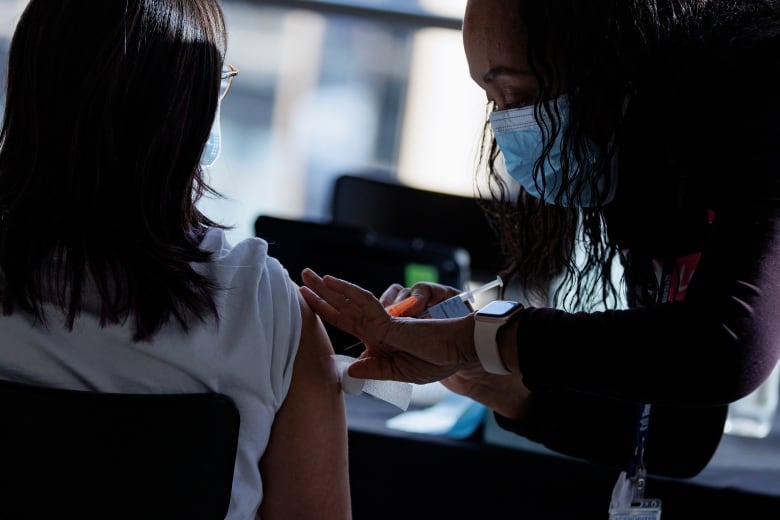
248,357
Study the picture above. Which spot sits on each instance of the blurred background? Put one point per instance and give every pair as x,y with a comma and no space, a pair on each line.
334,86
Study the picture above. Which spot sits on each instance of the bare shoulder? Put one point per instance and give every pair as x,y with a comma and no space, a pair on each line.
314,338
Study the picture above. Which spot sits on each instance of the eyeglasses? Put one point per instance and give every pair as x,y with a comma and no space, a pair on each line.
226,79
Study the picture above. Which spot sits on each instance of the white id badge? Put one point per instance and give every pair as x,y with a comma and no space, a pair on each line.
628,503
644,509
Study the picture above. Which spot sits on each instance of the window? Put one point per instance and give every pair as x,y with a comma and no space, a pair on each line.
331,87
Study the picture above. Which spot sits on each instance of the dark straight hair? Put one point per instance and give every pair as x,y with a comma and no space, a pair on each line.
108,106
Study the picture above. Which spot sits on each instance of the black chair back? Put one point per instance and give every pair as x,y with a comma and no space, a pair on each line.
82,454
385,205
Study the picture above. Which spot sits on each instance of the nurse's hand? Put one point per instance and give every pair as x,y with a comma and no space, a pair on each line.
401,349
504,394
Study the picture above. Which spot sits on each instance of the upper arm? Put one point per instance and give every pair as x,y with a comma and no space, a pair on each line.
305,469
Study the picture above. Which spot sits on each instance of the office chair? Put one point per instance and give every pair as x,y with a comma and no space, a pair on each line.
82,454
385,205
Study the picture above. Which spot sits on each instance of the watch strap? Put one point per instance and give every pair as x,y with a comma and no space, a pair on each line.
486,345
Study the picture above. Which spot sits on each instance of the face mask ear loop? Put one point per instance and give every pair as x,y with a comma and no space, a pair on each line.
213,146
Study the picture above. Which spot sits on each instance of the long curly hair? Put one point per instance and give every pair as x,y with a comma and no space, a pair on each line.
597,49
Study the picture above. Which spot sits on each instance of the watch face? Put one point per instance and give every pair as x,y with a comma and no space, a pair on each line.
498,308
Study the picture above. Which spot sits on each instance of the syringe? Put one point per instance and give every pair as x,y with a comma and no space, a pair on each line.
460,304
469,295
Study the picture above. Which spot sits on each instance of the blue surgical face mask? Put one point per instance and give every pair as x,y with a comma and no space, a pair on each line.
519,137
213,144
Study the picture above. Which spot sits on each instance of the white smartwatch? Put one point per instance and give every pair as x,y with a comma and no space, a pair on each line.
487,321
